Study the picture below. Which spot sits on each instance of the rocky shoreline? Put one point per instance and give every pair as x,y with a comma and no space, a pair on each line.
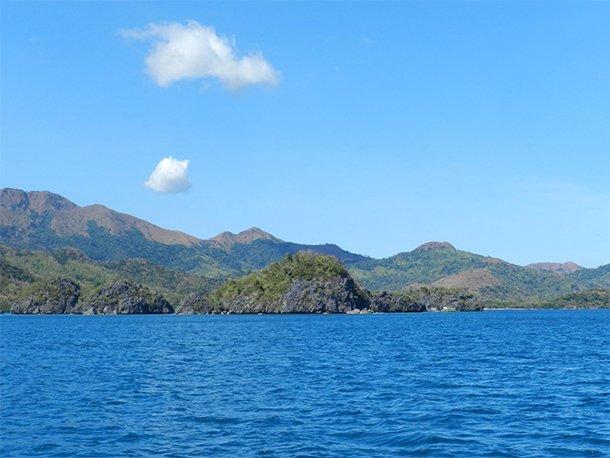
378,303
307,283
118,297
303,283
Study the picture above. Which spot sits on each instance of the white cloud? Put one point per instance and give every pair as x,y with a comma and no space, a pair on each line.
192,50
170,176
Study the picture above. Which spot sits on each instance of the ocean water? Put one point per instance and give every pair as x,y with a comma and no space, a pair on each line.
490,384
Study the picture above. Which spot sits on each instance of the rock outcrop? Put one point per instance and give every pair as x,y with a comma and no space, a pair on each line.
59,295
194,304
467,304
122,297
303,283
334,295
309,283
384,302
425,299
439,299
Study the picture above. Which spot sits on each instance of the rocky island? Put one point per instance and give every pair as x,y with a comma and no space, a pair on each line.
47,297
309,283
117,297
301,283
122,297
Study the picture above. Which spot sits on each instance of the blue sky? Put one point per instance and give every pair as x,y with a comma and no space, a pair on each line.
376,126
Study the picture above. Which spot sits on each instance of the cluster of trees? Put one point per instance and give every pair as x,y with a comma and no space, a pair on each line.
103,256
421,267
275,279
516,283
593,298
21,268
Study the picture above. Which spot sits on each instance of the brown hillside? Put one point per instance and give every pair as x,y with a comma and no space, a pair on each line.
473,280
18,208
566,267
226,240
433,246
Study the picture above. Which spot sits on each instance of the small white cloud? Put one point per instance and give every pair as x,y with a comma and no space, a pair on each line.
170,176
192,50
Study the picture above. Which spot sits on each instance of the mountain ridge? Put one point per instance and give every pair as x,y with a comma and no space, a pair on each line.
46,221
228,239
49,222
19,207
434,246
566,267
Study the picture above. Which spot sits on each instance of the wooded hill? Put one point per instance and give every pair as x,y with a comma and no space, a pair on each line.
21,268
115,244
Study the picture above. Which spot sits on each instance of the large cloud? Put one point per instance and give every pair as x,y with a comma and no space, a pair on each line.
192,50
170,176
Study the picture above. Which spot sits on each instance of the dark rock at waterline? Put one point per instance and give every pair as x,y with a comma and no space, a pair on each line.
439,299
122,297
55,296
334,295
384,302
473,305
194,304
425,299
311,283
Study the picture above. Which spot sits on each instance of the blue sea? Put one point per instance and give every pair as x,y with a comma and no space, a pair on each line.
490,384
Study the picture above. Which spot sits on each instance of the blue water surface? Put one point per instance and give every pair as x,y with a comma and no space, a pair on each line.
490,384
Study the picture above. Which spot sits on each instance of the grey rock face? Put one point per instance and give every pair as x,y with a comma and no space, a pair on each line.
337,295
469,304
121,297
426,299
439,300
194,304
59,295
384,302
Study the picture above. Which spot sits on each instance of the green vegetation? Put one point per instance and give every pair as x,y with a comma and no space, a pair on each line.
516,284
421,293
519,288
101,245
588,299
275,279
20,268
593,278
98,255
47,288
202,259
415,267
13,280
523,284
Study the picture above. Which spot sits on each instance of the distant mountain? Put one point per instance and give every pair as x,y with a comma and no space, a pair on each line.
434,246
593,298
593,278
566,267
226,240
21,213
588,278
48,222
441,264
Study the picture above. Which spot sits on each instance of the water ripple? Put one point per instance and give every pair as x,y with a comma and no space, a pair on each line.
493,384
